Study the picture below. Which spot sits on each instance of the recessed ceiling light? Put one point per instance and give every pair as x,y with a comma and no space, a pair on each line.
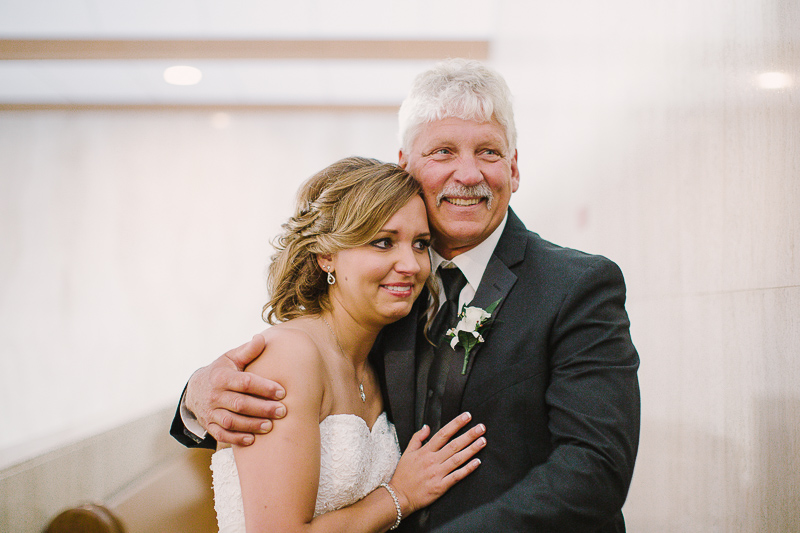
774,80
182,75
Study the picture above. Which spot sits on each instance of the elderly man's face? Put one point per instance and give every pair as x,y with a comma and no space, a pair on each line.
467,176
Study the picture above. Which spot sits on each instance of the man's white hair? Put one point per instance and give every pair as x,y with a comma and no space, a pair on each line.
458,88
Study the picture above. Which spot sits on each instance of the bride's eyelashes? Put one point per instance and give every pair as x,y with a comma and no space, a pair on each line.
386,243
383,243
422,244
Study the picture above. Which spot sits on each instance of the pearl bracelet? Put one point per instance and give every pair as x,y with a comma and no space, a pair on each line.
396,505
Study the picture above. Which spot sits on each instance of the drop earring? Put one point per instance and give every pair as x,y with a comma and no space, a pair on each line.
331,279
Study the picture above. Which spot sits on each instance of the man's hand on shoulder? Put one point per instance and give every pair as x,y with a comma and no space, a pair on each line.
231,404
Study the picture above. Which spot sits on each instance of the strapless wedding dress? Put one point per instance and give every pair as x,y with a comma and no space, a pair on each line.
354,461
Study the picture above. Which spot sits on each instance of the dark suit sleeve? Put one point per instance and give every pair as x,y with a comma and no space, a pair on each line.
186,437
593,419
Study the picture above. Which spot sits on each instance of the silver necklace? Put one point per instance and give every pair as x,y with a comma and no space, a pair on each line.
339,344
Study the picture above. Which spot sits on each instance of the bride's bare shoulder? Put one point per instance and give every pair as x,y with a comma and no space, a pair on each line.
298,332
291,350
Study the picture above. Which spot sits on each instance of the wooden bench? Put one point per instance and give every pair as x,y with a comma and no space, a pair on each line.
175,497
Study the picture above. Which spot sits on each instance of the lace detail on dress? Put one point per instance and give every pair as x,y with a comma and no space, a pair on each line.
354,461
227,492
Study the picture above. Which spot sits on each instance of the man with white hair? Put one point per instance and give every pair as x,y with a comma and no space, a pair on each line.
551,373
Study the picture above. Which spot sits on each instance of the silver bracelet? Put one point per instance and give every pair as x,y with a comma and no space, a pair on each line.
396,505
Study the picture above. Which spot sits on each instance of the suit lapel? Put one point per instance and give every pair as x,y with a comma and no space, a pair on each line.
495,285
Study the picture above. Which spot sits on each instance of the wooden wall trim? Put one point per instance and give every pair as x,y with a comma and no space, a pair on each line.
211,108
68,49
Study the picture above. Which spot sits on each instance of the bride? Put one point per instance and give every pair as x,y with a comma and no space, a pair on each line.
351,260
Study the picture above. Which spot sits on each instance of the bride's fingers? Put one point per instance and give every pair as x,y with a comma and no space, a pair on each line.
457,475
463,443
443,436
464,453
418,438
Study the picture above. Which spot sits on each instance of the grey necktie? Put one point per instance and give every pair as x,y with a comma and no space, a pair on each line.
453,281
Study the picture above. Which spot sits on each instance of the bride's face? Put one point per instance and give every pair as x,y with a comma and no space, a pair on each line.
378,282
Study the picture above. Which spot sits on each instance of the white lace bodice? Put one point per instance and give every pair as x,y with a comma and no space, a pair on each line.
353,462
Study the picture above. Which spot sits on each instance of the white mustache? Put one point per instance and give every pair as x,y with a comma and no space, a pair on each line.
481,190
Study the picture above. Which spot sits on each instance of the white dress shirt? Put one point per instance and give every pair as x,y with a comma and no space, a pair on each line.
472,263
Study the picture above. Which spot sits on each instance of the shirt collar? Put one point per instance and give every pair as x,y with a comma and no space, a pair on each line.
473,262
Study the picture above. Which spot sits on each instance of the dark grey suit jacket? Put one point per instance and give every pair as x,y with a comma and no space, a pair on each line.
555,384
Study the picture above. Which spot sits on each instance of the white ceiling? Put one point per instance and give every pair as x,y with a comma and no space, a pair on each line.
247,19
309,81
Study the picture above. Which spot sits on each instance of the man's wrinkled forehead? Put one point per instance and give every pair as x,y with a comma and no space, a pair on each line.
501,135
443,131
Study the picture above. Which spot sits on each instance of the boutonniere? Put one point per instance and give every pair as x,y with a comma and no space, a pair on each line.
472,322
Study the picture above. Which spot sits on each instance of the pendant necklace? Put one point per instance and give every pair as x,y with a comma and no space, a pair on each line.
339,344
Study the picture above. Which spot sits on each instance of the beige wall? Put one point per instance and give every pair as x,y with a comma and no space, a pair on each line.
647,138
134,244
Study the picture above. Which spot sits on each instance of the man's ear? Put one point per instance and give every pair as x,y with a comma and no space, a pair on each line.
402,160
514,173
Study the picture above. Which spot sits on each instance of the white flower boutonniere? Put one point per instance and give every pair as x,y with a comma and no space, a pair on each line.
472,321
